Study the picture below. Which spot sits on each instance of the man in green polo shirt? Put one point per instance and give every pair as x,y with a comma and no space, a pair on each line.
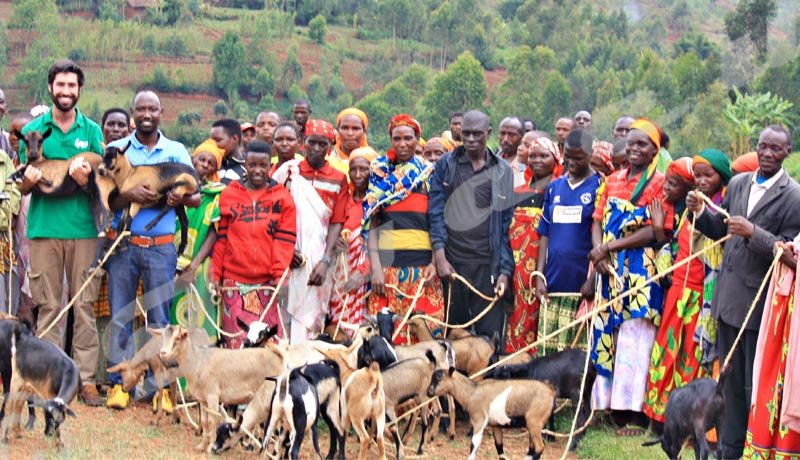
62,231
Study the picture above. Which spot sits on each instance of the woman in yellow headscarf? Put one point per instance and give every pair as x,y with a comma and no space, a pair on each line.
351,133
194,264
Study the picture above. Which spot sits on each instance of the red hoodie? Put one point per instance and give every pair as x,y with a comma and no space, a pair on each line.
256,235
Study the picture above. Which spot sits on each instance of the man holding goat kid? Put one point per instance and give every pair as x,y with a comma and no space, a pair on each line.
150,254
62,231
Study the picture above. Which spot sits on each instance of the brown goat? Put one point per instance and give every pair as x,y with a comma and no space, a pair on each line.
56,181
160,178
362,399
499,403
146,358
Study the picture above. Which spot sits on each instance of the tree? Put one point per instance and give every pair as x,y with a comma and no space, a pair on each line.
317,28
263,84
751,17
229,64
292,71
748,114
461,87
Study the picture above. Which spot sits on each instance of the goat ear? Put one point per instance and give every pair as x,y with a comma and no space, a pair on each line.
70,412
245,327
17,134
47,133
451,370
123,149
238,422
155,332
272,332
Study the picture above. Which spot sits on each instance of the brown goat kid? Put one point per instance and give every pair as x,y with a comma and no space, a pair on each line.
362,399
217,376
160,178
499,403
56,181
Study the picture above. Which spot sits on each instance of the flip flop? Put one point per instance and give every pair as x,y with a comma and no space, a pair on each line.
631,430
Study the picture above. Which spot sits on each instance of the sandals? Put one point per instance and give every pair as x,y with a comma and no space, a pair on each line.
631,430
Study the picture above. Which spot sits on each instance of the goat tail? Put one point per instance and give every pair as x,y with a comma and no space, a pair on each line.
376,383
652,442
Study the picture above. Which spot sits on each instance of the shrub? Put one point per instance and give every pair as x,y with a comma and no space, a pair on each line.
220,108
317,29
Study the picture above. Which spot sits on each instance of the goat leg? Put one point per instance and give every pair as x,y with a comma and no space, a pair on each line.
184,221
163,212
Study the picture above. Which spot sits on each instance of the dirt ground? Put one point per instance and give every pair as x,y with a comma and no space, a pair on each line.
100,433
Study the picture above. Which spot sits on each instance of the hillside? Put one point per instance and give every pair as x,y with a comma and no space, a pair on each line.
603,65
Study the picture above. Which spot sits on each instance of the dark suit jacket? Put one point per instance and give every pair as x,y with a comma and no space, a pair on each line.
745,263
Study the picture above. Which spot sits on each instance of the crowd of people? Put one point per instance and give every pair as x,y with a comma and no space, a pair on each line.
299,223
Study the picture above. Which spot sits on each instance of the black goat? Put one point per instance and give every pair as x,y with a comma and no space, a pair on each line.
563,370
691,411
42,369
6,336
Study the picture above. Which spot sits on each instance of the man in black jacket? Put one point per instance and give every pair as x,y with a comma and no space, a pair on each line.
763,209
470,209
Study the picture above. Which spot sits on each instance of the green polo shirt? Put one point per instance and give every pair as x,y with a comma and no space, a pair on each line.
63,217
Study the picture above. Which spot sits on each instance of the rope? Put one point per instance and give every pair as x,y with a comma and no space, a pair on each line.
142,311
602,307
185,407
410,309
194,306
85,283
711,204
580,398
472,288
752,308
272,301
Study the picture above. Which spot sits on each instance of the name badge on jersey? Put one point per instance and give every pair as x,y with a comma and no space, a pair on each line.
567,214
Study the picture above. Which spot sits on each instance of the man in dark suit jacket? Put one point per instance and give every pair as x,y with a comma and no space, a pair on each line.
764,209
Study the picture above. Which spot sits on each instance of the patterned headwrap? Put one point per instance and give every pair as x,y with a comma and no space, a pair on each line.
364,120
651,129
446,143
717,160
682,167
320,127
604,150
746,163
405,120
552,147
210,146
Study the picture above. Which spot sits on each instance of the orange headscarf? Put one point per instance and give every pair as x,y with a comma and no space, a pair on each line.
210,146
745,163
651,129
446,143
364,120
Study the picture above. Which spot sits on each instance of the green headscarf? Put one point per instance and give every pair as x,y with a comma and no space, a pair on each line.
717,160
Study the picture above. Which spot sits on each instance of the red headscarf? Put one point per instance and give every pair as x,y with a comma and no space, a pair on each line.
604,150
405,120
552,147
746,163
320,127
682,167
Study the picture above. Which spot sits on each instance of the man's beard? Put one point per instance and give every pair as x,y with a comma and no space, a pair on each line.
61,107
